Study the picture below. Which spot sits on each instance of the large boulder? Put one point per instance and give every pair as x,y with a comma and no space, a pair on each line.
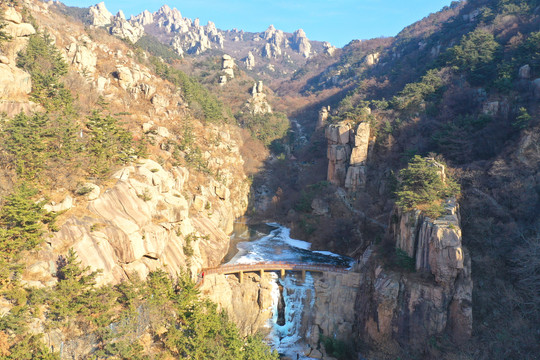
12,15
14,82
82,57
19,30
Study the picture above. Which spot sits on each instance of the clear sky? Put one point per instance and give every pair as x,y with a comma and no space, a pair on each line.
336,21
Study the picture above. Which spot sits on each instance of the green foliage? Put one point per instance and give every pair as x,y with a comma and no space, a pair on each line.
529,51
32,142
308,194
266,127
180,323
404,261
423,187
3,35
188,248
523,119
109,143
22,222
156,48
46,66
202,102
337,348
73,294
26,138
453,137
476,56
517,7
414,94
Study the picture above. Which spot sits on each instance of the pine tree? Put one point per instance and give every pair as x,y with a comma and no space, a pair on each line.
21,222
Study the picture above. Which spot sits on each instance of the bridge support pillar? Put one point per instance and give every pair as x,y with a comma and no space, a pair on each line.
303,275
241,276
262,273
282,273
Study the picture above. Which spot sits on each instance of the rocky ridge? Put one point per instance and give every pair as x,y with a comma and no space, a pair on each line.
262,52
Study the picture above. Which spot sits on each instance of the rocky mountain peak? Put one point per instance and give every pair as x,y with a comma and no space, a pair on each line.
301,43
269,32
144,18
187,36
99,15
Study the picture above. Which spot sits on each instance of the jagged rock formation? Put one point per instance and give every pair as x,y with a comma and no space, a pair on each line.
372,59
250,61
333,304
399,309
328,49
188,36
99,15
257,104
300,43
347,154
143,221
123,29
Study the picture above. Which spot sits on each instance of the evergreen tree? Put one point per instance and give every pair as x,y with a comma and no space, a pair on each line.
46,66
21,222
422,186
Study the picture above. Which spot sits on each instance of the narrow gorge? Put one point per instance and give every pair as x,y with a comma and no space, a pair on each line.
175,190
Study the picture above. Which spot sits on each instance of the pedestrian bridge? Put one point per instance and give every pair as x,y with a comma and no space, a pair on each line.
278,266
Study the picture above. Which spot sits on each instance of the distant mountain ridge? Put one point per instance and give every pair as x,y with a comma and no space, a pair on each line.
273,51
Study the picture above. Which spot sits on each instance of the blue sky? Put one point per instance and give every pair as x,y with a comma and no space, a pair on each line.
336,21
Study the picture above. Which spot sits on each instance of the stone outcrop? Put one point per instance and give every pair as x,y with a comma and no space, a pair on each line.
257,104
405,309
323,116
187,36
371,59
99,15
333,304
328,49
81,55
142,223
124,29
347,154
227,66
250,61
249,304
15,84
300,43
525,72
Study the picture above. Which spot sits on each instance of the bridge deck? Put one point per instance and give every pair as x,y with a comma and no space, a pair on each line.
274,266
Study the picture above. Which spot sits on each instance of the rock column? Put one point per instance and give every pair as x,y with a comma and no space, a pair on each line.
347,154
